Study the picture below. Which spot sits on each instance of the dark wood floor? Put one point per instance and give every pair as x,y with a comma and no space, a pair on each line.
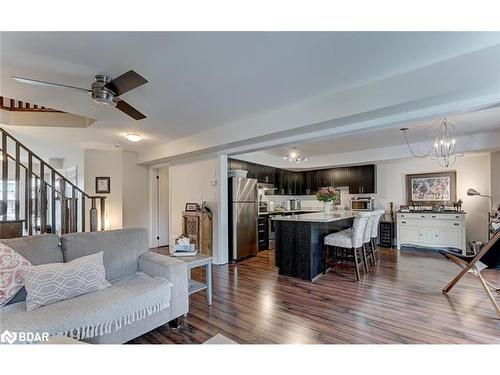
400,302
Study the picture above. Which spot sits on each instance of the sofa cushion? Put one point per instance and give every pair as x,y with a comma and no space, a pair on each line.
121,249
95,314
12,268
50,283
40,249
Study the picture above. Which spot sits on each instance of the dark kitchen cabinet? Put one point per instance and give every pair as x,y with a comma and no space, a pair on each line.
265,174
325,178
263,232
311,182
362,179
341,177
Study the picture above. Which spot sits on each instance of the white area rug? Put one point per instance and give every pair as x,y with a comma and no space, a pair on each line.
220,339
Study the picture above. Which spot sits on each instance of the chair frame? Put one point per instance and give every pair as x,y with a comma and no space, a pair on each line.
471,267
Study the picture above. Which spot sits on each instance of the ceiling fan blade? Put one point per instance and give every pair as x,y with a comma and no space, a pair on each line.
126,82
129,110
47,84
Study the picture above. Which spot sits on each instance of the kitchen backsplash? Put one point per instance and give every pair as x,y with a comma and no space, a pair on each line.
310,201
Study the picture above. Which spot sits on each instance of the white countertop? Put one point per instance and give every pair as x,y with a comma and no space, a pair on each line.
319,217
289,212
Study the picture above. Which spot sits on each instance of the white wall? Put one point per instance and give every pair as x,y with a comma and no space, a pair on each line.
135,193
100,163
192,180
495,177
127,204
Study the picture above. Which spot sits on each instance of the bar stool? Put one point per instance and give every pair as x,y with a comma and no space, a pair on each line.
372,220
374,235
351,241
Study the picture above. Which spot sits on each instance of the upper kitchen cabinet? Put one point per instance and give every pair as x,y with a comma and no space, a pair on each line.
265,174
341,177
325,177
311,179
362,179
262,173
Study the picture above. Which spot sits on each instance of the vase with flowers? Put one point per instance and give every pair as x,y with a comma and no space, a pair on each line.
329,196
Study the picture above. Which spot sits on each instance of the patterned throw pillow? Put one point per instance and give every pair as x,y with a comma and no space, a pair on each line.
54,282
12,267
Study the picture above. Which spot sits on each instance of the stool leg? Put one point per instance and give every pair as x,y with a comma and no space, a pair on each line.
356,263
325,256
372,251
365,261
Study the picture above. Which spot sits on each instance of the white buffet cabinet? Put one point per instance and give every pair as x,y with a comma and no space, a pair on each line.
434,230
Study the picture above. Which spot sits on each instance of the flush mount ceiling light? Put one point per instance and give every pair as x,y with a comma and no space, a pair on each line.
295,156
444,141
133,137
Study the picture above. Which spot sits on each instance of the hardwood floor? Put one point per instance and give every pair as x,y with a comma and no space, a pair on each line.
399,302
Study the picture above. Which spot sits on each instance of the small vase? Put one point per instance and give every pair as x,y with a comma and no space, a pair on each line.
328,208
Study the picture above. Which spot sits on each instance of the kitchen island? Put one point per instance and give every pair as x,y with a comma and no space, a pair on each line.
299,241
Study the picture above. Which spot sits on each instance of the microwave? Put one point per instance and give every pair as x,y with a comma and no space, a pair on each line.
362,204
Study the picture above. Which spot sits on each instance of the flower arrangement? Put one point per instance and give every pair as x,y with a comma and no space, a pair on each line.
328,194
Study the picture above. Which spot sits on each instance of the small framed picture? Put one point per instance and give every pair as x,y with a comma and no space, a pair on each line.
190,207
102,185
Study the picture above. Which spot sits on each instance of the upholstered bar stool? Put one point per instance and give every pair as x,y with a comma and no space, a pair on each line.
373,241
368,252
350,241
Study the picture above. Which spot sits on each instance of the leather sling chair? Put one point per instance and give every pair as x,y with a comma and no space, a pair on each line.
472,264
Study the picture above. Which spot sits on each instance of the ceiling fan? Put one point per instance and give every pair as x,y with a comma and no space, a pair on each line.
105,91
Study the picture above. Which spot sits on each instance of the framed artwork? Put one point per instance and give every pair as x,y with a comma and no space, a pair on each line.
102,185
190,207
431,188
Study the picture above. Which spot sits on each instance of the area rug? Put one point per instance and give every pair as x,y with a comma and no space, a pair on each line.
220,339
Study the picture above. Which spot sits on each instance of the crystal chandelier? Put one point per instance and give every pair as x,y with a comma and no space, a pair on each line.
444,145
294,156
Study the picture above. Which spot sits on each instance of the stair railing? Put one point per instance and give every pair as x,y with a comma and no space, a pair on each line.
41,196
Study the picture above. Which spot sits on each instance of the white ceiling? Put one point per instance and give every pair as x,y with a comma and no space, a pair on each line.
199,81
465,124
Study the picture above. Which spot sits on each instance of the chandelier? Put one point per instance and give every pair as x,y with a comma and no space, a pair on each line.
444,149
294,156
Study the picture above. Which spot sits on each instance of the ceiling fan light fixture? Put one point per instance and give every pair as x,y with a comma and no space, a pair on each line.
133,137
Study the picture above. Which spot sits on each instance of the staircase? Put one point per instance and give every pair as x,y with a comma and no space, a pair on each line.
40,197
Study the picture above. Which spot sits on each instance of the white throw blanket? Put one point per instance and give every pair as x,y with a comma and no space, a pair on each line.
93,314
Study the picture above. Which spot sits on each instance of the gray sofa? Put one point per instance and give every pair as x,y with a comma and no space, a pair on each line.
148,289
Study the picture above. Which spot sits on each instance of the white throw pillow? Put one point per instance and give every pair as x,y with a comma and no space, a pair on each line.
12,267
54,282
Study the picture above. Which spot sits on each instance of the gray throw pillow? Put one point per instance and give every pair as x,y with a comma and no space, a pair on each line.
50,283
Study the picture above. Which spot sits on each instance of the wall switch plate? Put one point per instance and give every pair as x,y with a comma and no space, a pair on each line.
213,182
212,196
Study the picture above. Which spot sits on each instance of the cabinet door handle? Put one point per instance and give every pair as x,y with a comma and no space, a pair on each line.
433,216
456,224
422,216
403,222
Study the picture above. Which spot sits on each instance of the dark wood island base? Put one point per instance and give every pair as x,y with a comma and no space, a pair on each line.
299,242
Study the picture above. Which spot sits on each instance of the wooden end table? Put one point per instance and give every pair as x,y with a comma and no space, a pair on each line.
199,260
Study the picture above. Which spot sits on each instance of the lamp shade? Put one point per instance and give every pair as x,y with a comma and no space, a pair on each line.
472,192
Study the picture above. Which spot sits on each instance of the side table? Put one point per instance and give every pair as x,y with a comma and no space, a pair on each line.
199,260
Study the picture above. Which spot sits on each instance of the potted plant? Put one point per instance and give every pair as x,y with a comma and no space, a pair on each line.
329,196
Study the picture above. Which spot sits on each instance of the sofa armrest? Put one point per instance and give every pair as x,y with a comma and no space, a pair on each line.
175,271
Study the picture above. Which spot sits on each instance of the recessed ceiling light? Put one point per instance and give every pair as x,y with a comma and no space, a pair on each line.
133,137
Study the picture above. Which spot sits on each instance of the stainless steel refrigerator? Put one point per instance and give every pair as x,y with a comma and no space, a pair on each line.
243,217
